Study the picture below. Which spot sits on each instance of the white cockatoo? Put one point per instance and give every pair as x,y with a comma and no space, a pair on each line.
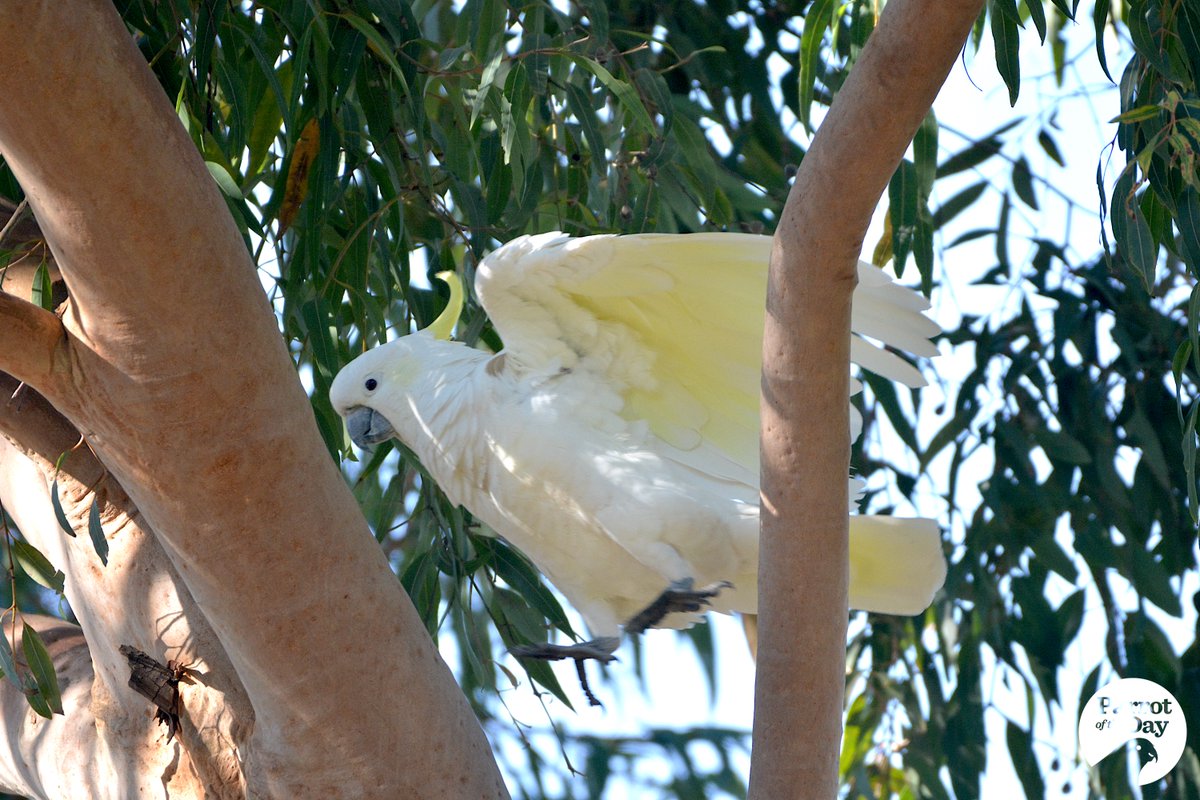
614,439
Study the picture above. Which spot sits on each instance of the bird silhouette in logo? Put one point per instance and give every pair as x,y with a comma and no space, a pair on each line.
1145,751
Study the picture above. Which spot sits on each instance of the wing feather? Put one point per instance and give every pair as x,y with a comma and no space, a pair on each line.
674,323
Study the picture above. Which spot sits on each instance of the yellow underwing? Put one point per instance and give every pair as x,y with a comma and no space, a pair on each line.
299,170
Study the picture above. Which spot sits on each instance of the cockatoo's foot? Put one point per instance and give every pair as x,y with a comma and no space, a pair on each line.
596,650
678,597
601,650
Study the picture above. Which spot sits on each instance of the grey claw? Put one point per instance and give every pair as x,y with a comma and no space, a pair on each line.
679,597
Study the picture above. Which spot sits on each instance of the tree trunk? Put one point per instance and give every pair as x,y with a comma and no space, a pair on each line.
803,566
235,543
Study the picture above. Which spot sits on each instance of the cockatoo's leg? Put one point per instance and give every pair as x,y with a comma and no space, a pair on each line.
678,597
597,649
601,650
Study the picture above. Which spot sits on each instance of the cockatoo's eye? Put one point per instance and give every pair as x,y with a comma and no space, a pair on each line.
371,384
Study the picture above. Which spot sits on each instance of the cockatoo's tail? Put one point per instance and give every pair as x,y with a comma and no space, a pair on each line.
614,440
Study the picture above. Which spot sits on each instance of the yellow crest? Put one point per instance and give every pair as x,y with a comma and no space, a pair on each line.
443,326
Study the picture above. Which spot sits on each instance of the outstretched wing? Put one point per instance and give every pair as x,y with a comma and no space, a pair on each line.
674,323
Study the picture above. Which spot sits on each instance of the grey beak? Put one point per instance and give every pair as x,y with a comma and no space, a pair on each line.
367,427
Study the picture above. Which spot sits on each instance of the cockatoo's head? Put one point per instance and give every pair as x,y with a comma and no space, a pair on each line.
372,382
380,379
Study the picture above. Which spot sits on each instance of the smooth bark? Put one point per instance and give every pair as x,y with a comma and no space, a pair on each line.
169,362
805,452
136,599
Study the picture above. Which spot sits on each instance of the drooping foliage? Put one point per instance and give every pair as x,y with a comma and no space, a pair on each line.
364,145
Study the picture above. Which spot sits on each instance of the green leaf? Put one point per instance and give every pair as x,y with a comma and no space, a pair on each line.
1188,222
96,531
1067,10
904,206
925,150
1070,616
269,116
7,664
579,103
1051,555
1140,248
487,80
654,87
1151,579
1189,37
42,293
958,203
1007,40
1178,363
320,337
1145,42
525,620
817,20
42,668
378,45
539,672
1132,232
1100,22
949,433
534,45
59,514
1188,444
224,180
517,573
1022,180
625,94
1020,750
37,566
34,697
420,581
1037,13
1061,446
976,153
1144,434
1139,114
471,646
695,150
596,12
1050,148
885,394
514,132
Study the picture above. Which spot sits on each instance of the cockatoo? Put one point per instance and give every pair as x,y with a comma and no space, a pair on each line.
614,439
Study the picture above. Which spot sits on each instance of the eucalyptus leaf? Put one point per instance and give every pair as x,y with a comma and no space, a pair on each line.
7,663
59,513
41,667
96,531
37,566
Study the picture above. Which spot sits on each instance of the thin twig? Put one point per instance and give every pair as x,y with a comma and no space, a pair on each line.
16,216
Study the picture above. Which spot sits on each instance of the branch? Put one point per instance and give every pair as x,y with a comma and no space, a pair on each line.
70,755
193,403
137,598
803,561
32,343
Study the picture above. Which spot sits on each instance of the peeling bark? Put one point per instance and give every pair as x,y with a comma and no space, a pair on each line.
803,560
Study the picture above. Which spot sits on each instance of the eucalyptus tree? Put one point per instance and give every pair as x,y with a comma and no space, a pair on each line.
170,454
